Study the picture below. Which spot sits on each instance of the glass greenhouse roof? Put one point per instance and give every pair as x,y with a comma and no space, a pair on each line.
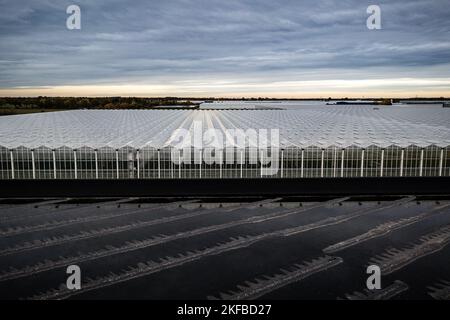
321,126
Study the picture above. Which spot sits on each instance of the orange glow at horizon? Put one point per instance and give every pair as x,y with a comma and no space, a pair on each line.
395,88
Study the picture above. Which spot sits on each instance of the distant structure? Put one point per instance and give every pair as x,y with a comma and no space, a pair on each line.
314,142
384,102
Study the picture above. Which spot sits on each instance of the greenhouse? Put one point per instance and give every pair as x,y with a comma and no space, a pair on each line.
307,142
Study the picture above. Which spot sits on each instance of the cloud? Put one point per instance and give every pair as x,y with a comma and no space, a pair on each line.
177,41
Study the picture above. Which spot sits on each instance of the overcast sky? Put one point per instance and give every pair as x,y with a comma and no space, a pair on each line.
313,48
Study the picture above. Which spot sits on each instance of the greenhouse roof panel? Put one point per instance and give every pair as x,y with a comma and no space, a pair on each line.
320,126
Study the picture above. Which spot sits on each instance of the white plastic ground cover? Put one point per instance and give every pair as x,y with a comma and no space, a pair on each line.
308,125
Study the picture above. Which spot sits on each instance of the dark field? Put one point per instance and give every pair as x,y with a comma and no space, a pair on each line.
198,249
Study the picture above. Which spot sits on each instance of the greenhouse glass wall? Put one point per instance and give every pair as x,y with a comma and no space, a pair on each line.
152,163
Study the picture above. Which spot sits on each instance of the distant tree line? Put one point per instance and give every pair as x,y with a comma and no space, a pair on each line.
69,103
11,105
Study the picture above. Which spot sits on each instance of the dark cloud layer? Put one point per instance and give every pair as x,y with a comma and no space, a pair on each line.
192,40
